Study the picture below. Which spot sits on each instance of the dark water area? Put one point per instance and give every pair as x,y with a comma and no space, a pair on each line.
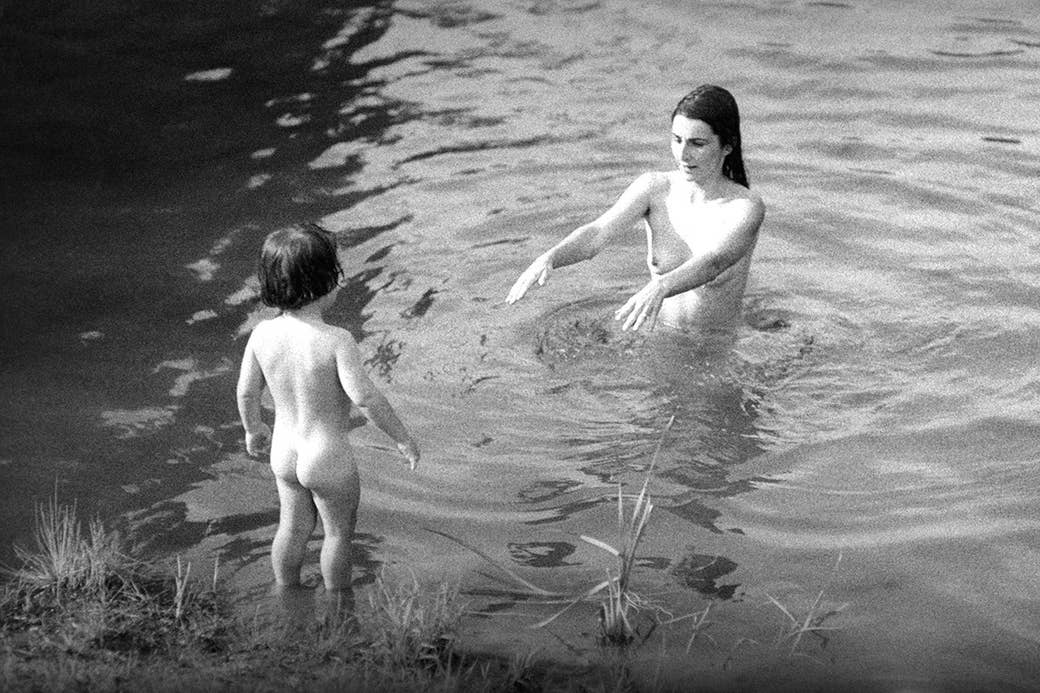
871,435
120,175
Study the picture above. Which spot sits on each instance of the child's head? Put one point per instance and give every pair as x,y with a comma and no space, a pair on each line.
298,265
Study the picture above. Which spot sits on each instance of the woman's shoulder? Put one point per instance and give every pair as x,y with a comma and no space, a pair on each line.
745,196
652,183
655,179
747,206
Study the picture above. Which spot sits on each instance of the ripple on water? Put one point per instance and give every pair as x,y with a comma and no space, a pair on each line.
584,331
584,334
983,38
971,482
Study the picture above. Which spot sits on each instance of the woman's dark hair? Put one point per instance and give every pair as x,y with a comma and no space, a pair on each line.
298,265
717,107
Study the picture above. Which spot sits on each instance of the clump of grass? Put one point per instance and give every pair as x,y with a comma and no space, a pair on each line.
65,562
405,624
399,636
616,609
81,591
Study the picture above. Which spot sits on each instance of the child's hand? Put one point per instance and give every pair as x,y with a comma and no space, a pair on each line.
410,451
259,441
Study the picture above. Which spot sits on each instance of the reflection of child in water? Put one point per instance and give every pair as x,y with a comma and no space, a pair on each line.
314,371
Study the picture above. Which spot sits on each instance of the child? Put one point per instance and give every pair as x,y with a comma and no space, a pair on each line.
314,372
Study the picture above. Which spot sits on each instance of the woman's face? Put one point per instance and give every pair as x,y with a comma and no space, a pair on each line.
697,149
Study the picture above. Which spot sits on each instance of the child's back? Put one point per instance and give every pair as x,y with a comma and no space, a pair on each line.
299,359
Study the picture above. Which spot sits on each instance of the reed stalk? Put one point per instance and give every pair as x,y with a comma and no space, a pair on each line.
617,608
811,621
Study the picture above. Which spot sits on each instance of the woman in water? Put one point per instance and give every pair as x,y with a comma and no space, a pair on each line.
701,222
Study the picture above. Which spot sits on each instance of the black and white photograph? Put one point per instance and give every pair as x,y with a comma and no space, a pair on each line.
621,346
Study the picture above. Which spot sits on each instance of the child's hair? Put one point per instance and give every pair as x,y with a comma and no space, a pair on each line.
298,265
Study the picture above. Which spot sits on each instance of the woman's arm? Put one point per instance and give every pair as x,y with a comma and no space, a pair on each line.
731,244
587,240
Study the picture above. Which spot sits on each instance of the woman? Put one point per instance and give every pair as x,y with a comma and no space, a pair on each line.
701,222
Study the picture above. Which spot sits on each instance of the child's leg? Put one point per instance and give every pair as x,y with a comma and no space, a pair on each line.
296,520
332,478
338,509
338,515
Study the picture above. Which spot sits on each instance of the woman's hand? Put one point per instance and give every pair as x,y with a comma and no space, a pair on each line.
410,451
259,441
537,272
643,307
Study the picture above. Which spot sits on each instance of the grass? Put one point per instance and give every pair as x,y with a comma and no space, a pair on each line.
618,608
81,593
408,625
620,605
809,622
82,614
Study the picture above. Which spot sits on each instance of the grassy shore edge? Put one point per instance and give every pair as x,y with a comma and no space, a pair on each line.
82,614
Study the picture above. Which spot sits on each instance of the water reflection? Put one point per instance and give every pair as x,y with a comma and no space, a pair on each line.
702,573
627,387
638,381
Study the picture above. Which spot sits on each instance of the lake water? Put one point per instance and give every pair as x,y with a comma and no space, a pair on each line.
872,434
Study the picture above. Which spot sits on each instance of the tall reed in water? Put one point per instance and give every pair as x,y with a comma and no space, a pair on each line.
615,623
617,607
616,626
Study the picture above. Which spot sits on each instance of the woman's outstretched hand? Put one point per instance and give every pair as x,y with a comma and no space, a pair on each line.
643,307
537,272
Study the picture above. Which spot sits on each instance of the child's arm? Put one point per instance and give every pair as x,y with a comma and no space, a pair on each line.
250,388
372,403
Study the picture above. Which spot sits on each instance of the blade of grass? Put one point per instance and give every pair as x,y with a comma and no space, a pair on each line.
575,602
529,585
601,544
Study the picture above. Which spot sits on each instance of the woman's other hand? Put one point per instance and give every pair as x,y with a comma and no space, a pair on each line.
643,307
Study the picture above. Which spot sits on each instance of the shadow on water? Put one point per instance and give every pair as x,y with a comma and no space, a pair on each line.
148,149
116,85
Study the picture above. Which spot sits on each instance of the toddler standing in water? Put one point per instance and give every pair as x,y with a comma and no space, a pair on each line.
314,372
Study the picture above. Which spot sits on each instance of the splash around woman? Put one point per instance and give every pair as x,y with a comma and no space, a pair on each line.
701,222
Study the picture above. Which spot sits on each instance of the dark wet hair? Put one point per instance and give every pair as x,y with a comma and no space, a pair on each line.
717,107
298,265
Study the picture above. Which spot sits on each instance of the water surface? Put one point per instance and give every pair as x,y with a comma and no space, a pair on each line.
872,433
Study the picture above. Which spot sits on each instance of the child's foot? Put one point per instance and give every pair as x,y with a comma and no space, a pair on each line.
297,604
339,609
